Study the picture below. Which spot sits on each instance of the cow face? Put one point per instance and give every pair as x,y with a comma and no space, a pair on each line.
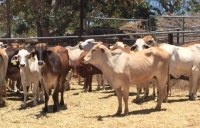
3,46
139,45
87,44
41,53
22,57
94,55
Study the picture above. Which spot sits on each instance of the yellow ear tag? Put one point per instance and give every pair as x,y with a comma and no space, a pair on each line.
132,52
31,59
14,63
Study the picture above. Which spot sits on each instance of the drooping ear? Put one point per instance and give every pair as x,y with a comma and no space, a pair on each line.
101,47
14,59
49,52
5,45
133,47
150,42
32,54
146,46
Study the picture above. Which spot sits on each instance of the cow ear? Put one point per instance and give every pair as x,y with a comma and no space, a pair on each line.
32,54
146,46
49,51
133,47
14,59
5,45
102,50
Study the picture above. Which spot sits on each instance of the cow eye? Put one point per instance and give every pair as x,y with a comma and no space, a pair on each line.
93,50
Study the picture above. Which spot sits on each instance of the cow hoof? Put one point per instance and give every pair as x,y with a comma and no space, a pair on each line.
89,90
55,109
157,108
192,98
62,103
45,110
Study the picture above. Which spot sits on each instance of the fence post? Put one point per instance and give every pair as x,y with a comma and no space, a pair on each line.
178,36
121,38
170,38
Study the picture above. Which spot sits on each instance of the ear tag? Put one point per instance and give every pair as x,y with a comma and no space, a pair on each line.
31,59
14,63
132,52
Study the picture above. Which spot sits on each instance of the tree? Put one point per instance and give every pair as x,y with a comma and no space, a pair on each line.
54,17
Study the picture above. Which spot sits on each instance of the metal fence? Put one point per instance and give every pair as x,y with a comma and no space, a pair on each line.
178,34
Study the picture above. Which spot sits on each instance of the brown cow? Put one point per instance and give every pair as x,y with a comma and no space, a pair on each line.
54,63
86,71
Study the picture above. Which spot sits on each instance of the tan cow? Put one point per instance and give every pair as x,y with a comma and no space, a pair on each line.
3,70
122,69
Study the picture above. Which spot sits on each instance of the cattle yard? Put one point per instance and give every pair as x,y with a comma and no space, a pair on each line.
96,110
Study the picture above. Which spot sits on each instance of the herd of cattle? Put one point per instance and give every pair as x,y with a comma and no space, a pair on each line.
47,68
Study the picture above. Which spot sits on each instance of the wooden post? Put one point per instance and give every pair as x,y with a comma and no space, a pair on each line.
170,38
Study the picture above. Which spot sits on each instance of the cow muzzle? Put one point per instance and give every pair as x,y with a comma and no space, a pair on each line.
22,65
40,63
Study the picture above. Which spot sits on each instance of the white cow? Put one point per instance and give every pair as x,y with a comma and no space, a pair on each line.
3,71
185,61
30,73
120,69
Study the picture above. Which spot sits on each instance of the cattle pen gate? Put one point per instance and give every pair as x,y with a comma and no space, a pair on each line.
173,29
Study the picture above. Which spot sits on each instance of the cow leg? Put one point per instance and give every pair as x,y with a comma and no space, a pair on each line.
5,88
190,87
41,90
55,96
35,93
25,94
119,96
79,80
1,95
154,87
162,93
138,92
89,79
62,91
103,82
46,91
86,84
125,98
46,102
194,84
146,91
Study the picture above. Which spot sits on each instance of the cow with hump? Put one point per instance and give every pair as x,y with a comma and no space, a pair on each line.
54,63
30,73
120,69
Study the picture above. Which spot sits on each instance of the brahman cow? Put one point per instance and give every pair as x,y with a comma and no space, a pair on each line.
120,69
30,73
54,63
3,69
185,61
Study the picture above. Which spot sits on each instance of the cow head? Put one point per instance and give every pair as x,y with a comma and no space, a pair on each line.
95,53
87,44
14,45
3,46
22,57
150,40
41,52
139,45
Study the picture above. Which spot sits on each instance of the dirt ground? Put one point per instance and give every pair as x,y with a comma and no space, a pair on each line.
96,110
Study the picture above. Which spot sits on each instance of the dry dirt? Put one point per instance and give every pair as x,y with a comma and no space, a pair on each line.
96,110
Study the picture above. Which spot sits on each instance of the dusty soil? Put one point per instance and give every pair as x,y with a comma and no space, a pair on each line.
96,110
